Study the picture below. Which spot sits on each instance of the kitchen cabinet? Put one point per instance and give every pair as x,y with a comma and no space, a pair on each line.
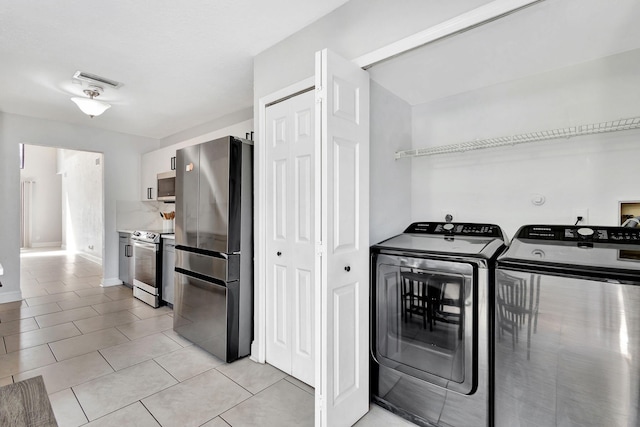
151,164
168,265
125,259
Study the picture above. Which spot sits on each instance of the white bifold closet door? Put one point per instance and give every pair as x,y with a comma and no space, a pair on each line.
291,240
342,127
317,239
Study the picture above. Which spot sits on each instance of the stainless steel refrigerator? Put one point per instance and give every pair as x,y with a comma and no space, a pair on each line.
213,305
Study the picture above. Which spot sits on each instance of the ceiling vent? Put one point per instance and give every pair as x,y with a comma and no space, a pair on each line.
94,79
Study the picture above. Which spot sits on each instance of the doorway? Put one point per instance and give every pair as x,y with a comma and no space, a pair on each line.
61,211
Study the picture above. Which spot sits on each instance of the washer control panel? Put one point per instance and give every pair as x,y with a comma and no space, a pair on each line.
570,233
455,228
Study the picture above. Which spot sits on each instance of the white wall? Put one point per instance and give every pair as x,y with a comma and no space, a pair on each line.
497,185
237,123
390,189
82,183
354,29
357,28
238,129
40,166
121,182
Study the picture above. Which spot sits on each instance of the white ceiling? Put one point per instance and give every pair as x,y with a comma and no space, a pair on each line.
190,62
182,63
548,35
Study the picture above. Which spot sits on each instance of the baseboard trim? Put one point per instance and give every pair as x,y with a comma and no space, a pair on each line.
11,297
90,257
47,245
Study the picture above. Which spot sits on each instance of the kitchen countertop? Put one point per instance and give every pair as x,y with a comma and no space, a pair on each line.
164,234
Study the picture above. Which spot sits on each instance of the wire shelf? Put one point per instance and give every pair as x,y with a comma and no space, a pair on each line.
568,132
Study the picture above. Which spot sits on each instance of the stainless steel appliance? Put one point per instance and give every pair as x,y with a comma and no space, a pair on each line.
125,259
167,186
147,267
567,342
213,304
430,322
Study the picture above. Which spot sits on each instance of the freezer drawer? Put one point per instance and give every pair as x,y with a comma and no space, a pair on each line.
206,313
223,267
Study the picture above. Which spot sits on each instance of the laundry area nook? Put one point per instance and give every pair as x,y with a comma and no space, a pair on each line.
320,213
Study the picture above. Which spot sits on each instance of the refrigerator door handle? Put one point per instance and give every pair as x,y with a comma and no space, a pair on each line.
205,252
211,280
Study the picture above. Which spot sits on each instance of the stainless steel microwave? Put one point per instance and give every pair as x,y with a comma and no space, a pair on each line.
167,186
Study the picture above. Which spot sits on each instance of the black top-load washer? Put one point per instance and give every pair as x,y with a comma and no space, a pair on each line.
430,293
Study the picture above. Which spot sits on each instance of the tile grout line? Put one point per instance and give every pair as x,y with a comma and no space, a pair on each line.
292,383
223,420
248,398
239,385
139,400
170,374
80,405
38,323
147,409
47,342
53,353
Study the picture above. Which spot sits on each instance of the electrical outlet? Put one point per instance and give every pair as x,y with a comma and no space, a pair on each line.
580,212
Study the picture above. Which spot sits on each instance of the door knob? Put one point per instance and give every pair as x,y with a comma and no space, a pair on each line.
278,253
347,268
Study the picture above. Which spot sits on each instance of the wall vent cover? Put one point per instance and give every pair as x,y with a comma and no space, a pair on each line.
93,79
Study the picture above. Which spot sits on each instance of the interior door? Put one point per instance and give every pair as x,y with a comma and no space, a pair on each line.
291,236
342,116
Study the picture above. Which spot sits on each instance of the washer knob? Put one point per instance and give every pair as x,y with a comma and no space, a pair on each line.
585,232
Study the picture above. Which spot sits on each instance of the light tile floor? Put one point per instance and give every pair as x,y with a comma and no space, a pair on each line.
108,359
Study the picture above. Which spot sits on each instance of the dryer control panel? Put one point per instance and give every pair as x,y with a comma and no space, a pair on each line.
455,229
570,233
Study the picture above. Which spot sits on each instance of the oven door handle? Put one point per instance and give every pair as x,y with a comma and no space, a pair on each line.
145,245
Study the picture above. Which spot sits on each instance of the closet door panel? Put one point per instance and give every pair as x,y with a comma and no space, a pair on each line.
278,280
304,242
291,238
342,111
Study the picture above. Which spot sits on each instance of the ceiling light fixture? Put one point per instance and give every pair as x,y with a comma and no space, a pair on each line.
91,106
